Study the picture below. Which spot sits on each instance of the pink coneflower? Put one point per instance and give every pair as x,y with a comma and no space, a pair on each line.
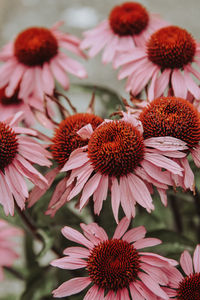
166,61
187,287
116,267
7,246
118,158
64,142
17,154
129,25
175,117
33,60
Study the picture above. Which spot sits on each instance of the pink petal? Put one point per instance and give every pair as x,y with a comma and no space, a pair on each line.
141,78
86,131
59,74
71,65
134,234
38,89
162,83
191,85
14,80
124,294
178,84
157,260
47,79
71,287
58,192
186,262
75,236
115,197
89,189
164,162
156,173
79,252
151,89
36,193
53,207
196,155
129,57
69,263
166,143
188,174
92,293
110,50
27,84
163,196
94,233
135,293
196,259
156,274
152,285
100,194
121,228
27,170
124,196
17,180
80,181
140,192
126,42
146,242
77,159
110,296
6,196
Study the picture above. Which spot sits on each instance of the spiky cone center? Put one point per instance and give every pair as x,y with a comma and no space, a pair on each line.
35,46
189,288
128,19
171,47
8,145
172,116
6,101
113,264
115,148
66,139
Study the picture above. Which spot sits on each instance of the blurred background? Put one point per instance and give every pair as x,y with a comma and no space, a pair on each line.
17,15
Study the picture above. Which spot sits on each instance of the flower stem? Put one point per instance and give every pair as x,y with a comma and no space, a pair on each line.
196,198
14,272
176,213
33,229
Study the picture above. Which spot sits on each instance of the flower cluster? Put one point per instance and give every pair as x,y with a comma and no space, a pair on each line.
147,150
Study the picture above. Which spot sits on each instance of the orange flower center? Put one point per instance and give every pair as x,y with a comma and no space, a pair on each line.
9,100
8,145
171,47
189,288
171,116
128,19
66,138
115,148
113,264
35,46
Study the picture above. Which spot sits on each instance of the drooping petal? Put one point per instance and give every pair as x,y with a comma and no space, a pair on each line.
71,287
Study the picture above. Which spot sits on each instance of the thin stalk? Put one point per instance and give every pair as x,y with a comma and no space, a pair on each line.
196,198
176,213
33,229
14,272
